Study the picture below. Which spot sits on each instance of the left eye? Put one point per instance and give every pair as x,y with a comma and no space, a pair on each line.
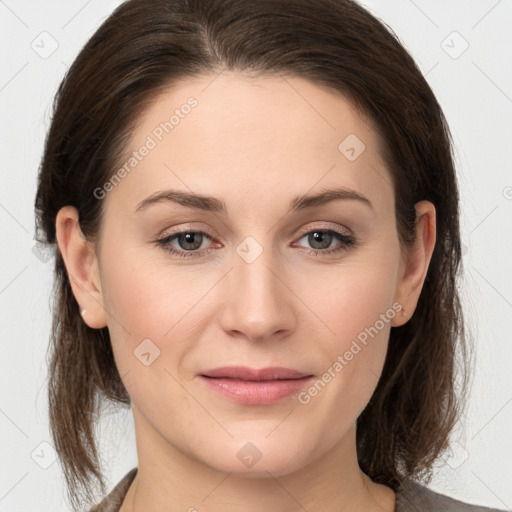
321,239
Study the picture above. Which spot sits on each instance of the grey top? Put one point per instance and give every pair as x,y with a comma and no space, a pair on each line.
410,497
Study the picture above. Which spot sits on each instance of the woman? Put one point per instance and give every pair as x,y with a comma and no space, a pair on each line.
256,213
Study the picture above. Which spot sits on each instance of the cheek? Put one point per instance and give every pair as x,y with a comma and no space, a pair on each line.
137,303
147,299
148,330
356,306
352,297
143,294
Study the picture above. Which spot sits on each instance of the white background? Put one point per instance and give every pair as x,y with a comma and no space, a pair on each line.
475,91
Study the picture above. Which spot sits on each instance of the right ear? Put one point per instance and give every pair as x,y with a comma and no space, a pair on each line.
82,267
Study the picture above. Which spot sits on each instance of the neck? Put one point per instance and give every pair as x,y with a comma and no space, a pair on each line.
168,477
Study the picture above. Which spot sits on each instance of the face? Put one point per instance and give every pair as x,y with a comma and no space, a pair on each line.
271,273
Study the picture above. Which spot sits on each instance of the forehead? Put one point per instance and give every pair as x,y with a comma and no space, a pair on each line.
255,136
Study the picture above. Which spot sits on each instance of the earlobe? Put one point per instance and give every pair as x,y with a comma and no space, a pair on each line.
416,266
82,267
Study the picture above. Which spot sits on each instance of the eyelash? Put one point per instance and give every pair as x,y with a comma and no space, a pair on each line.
347,242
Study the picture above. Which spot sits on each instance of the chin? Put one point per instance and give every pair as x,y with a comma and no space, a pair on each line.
257,457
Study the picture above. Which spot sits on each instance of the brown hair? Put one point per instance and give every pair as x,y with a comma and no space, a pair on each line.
144,47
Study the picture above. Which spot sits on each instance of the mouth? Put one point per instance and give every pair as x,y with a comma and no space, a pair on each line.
249,386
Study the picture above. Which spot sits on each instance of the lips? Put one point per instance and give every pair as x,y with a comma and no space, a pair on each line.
250,386
252,374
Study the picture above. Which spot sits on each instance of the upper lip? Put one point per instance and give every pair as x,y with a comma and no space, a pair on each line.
246,373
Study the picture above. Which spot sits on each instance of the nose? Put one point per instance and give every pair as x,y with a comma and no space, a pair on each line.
258,303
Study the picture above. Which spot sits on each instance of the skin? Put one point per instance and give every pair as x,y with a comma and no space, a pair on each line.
255,143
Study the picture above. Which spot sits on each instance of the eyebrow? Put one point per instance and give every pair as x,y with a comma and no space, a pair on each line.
213,204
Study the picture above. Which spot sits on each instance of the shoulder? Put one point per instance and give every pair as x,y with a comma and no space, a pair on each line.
113,501
414,497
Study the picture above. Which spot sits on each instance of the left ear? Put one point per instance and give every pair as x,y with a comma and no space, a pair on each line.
414,268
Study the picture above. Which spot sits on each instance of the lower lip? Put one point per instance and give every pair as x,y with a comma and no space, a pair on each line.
255,392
